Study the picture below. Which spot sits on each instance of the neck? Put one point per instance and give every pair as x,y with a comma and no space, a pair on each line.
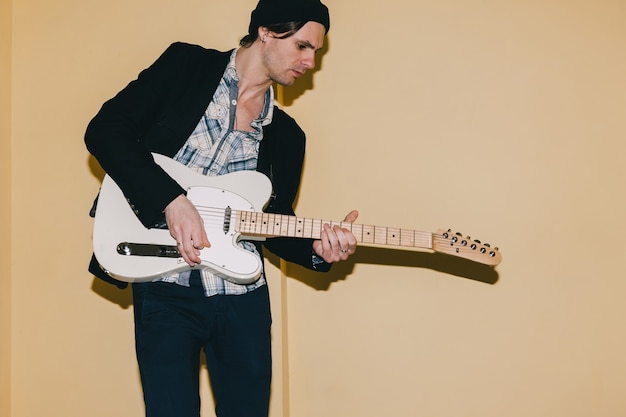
253,79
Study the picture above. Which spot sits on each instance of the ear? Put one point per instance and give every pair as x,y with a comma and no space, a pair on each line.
263,33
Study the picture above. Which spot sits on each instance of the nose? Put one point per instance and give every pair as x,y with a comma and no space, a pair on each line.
309,60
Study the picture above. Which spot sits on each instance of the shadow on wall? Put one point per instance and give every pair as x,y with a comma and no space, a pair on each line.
446,264
96,170
121,297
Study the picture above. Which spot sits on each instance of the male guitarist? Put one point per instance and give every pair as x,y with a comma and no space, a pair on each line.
213,112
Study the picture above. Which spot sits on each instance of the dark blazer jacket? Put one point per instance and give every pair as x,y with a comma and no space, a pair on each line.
157,112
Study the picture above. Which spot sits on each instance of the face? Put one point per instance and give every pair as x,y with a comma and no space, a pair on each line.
288,59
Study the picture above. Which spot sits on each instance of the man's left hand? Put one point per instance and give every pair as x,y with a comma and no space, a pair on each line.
336,243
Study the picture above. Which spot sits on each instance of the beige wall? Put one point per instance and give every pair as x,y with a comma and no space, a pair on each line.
5,207
501,120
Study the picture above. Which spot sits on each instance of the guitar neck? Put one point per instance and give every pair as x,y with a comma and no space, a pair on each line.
281,225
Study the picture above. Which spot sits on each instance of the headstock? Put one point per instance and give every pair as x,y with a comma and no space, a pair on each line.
454,243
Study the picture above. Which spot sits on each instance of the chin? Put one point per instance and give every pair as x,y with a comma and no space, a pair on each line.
284,81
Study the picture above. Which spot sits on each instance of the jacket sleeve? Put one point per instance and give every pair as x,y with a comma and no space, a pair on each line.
116,136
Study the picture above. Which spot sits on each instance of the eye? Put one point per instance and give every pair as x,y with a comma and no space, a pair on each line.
302,46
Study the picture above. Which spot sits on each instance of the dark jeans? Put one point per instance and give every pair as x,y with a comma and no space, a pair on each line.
174,323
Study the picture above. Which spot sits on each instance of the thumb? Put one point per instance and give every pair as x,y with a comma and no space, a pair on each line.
352,216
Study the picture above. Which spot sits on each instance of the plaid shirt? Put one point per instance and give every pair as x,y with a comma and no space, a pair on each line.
216,148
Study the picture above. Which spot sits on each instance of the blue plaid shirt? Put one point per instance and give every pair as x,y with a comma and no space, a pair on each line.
216,148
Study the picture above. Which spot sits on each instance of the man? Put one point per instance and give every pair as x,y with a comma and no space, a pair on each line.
214,112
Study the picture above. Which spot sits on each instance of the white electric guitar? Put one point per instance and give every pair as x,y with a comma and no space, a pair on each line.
230,206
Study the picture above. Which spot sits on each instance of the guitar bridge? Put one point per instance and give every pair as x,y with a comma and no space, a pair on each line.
147,249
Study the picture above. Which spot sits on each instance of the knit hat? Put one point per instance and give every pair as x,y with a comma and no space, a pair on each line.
269,12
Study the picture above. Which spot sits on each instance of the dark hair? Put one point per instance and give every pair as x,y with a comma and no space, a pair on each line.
284,30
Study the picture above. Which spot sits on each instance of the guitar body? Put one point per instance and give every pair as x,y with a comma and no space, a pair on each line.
116,225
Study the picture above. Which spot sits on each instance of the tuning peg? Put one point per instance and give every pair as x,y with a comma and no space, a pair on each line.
454,243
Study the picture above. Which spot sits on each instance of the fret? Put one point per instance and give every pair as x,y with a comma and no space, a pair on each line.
299,231
279,225
393,236
266,223
380,235
240,224
270,218
357,231
368,234
257,222
307,228
291,226
284,224
316,228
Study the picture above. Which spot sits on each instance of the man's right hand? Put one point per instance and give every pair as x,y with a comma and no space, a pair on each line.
187,228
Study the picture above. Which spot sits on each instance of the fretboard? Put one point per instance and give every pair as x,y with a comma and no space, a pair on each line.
281,225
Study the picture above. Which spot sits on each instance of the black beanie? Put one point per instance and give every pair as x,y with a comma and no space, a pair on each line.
270,12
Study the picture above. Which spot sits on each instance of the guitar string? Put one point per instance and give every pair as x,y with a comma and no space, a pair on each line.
215,213
215,216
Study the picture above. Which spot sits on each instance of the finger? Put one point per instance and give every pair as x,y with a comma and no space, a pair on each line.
324,237
345,238
200,238
183,253
317,248
333,238
334,243
346,241
199,243
196,233
351,217
188,252
184,243
351,240
339,240
330,244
